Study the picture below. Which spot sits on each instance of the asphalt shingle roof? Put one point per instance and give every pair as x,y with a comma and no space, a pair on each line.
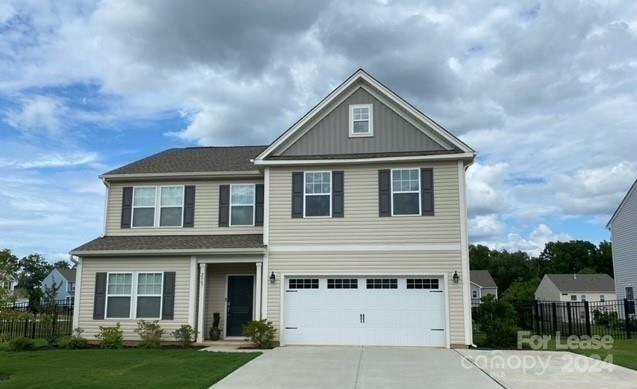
482,278
583,282
195,159
69,274
172,242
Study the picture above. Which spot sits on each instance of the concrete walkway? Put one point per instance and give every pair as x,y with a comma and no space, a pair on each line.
358,367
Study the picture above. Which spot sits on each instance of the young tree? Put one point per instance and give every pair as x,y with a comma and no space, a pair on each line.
62,264
8,270
33,270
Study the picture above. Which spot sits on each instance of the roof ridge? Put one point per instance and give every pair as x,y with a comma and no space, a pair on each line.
218,147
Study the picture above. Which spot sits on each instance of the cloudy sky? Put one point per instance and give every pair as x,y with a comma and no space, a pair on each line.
545,91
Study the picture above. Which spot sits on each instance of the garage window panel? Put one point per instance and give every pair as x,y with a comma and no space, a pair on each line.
303,283
423,283
382,283
342,283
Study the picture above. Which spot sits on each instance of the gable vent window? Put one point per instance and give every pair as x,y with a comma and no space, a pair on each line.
339,283
361,120
425,283
318,194
382,283
303,283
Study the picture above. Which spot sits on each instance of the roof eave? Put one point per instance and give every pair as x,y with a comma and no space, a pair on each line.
180,175
621,204
438,157
168,252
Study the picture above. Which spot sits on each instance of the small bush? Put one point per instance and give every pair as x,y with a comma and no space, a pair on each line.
21,344
74,342
150,332
261,333
184,335
498,323
111,337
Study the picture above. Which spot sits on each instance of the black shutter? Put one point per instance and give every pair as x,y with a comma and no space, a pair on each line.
168,300
127,206
258,202
189,206
297,194
384,193
337,194
427,191
99,299
224,205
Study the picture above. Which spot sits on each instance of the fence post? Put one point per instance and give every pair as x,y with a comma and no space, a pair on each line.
588,319
627,317
26,327
570,320
554,313
536,317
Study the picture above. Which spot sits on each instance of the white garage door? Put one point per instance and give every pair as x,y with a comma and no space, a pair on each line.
356,310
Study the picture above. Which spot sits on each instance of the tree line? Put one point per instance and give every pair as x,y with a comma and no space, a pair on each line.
29,272
518,274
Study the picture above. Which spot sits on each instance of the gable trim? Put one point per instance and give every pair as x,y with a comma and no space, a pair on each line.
361,74
621,205
438,157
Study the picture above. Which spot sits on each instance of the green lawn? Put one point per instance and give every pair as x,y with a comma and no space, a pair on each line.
624,353
127,368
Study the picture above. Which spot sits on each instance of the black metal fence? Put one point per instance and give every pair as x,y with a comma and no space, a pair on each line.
21,319
614,317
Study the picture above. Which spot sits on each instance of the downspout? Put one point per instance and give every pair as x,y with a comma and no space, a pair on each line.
107,190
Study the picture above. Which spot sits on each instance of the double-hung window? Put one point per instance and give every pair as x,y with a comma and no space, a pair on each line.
360,120
405,189
242,205
70,287
149,291
119,295
167,201
318,194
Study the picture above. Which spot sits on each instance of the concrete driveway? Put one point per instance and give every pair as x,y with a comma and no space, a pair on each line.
296,367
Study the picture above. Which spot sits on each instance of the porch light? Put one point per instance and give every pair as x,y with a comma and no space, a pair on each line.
272,278
455,277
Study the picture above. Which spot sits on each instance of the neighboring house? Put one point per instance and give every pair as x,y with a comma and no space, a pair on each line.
65,279
482,284
576,287
350,228
9,285
623,228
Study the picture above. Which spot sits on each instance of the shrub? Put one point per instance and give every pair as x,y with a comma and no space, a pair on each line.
111,337
184,335
21,344
150,332
261,333
498,323
74,342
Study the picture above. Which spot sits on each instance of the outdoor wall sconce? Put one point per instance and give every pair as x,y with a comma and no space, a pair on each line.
272,278
455,277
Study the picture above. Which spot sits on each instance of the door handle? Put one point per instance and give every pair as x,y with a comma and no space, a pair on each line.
361,318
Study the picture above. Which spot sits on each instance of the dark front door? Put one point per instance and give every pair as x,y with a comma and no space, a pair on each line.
239,305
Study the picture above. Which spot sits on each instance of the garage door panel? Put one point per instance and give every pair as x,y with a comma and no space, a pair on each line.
361,316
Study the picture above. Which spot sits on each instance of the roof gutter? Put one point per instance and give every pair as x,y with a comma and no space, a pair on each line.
179,175
117,253
439,157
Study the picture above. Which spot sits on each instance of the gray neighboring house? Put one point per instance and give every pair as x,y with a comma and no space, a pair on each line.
576,287
623,235
482,284
65,277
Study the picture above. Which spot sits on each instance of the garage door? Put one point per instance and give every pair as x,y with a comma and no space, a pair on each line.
381,311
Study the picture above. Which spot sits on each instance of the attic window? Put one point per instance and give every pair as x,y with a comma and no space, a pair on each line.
361,120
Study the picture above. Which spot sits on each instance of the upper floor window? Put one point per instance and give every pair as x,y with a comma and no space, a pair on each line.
405,189
242,205
573,297
70,287
168,201
629,293
361,120
318,194
602,297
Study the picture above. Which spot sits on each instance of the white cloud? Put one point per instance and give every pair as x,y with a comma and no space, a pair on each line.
485,227
54,160
486,191
533,244
38,114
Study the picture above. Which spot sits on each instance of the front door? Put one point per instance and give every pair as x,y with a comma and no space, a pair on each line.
239,304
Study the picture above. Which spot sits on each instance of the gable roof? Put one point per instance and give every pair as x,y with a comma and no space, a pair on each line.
359,75
583,282
482,278
193,160
69,274
628,194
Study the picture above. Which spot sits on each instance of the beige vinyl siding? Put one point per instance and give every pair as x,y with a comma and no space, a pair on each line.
371,263
216,288
90,266
361,223
206,210
624,239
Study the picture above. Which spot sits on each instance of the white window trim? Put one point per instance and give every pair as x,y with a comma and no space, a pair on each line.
254,206
132,314
157,207
160,295
391,180
370,131
317,194
68,286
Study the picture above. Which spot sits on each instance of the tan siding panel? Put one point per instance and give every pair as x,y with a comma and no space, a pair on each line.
206,211
90,266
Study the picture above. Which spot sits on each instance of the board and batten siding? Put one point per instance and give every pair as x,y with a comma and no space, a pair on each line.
361,223
624,239
90,266
206,210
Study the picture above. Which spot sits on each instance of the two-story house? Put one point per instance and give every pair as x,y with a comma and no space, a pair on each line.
64,281
623,230
349,229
